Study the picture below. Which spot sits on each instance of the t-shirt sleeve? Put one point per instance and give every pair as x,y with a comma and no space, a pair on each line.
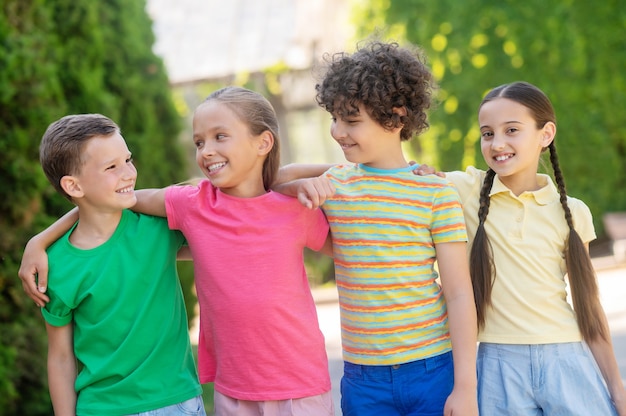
583,220
448,223
466,181
176,199
56,312
317,229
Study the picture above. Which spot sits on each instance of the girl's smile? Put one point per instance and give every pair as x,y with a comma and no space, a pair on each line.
511,142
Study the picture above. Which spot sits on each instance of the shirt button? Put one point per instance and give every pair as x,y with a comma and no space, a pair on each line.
395,366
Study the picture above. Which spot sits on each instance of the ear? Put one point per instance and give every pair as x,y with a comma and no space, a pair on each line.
548,132
265,143
402,112
71,186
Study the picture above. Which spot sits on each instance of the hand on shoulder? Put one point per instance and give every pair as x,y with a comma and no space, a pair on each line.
313,192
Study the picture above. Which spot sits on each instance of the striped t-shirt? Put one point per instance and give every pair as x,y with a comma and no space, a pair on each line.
385,224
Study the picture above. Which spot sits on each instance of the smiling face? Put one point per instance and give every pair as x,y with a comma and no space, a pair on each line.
227,152
511,142
363,140
106,180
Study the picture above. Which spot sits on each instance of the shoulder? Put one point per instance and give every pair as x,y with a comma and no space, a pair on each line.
276,199
467,182
469,176
580,210
145,218
342,170
149,225
202,187
282,204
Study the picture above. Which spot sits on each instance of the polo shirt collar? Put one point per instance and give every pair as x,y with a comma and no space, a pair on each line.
543,196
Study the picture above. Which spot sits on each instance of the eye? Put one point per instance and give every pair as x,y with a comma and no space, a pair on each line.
198,143
130,160
486,134
220,136
110,167
511,130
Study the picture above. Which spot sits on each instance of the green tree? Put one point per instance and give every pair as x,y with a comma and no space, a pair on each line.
57,58
574,51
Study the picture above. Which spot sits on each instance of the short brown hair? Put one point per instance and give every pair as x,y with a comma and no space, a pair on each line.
62,145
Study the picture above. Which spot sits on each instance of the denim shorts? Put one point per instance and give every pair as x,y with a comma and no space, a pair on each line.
191,407
551,379
416,388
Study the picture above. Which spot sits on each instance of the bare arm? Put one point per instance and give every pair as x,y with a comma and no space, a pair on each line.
34,267
295,171
311,192
458,293
184,253
327,248
61,369
604,354
151,202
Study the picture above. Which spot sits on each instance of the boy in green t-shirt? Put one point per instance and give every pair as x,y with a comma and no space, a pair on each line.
116,312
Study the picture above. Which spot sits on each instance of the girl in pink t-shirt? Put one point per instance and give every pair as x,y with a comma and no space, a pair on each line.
260,341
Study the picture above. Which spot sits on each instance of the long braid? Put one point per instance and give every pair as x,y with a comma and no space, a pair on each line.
482,269
582,278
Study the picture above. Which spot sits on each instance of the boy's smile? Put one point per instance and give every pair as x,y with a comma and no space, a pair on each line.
107,177
363,140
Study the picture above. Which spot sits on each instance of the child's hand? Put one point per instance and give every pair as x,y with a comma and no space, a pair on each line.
313,192
620,403
461,402
424,169
34,272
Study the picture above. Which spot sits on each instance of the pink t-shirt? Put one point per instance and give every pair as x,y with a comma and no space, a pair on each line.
259,335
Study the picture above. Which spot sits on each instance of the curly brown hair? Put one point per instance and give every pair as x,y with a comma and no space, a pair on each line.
381,77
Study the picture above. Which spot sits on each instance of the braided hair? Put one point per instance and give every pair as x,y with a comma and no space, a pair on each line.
582,278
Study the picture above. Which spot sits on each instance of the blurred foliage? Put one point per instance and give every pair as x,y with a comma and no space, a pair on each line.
574,51
57,58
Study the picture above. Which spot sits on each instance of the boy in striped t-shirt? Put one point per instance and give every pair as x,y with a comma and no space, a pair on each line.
409,344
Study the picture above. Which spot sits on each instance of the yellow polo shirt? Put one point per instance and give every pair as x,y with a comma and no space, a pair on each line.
528,234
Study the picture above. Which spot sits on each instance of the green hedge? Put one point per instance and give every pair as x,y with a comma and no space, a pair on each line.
57,58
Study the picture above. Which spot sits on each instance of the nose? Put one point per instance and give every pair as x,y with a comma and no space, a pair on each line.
207,150
131,171
336,130
497,142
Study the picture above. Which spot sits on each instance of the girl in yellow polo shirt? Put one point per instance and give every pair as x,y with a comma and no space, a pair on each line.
526,235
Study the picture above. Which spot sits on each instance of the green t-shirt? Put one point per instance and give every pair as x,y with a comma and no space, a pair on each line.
130,324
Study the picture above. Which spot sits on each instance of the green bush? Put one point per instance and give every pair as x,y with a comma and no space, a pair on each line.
58,58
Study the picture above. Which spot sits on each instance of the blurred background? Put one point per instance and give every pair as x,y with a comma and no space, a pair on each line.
148,63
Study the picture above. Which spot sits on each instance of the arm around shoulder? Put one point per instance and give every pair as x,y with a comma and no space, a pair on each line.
34,266
295,171
151,202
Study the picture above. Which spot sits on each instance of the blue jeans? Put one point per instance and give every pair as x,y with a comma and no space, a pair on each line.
546,379
416,388
193,407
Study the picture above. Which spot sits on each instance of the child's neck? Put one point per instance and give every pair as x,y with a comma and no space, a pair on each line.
94,229
246,189
388,163
518,185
